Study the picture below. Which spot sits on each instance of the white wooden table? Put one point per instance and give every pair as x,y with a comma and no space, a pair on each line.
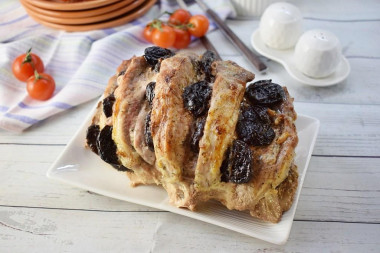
339,207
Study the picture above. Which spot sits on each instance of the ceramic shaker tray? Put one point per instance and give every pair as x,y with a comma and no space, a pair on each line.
285,57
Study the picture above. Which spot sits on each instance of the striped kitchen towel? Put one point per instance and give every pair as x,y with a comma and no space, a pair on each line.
80,62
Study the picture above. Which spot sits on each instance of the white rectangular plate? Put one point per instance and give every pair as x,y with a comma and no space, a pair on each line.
80,167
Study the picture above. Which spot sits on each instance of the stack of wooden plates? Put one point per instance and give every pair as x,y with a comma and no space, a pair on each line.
86,15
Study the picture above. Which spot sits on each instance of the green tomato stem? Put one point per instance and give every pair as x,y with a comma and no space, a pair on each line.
37,76
28,58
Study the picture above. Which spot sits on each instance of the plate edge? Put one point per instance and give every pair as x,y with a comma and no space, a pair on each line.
76,133
283,239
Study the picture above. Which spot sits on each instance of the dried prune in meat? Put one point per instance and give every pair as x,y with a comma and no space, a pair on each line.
153,54
255,134
108,104
149,92
92,136
254,125
196,97
254,113
121,73
199,125
266,138
106,146
225,173
206,60
237,165
241,162
262,113
120,167
148,132
265,92
254,128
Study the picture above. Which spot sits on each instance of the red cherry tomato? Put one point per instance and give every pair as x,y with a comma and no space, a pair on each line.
148,32
182,38
179,17
40,86
24,65
164,37
198,25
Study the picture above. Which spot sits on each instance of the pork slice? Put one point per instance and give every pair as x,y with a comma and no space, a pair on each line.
99,117
129,100
288,188
276,201
227,94
274,181
139,136
171,124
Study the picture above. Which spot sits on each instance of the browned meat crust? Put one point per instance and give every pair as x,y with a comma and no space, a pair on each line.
171,124
192,178
219,131
271,165
129,102
277,200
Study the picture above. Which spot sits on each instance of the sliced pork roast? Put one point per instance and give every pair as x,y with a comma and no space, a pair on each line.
192,125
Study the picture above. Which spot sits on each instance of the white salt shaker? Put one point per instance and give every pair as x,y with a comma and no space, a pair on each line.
318,53
281,26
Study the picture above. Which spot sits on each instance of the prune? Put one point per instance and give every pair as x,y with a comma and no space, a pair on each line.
265,92
148,132
225,174
237,165
106,146
153,54
199,125
256,134
92,136
196,97
254,113
107,105
206,60
122,73
254,125
149,92
120,167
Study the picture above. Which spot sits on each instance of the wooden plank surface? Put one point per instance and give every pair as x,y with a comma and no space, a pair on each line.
22,229
339,207
336,197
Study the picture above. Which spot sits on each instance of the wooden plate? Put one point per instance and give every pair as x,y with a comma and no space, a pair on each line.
120,20
77,13
51,5
85,20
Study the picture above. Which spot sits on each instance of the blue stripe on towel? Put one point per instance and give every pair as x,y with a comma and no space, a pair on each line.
24,119
15,20
59,105
3,108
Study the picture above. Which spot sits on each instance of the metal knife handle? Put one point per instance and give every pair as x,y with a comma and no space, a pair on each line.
254,59
209,46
